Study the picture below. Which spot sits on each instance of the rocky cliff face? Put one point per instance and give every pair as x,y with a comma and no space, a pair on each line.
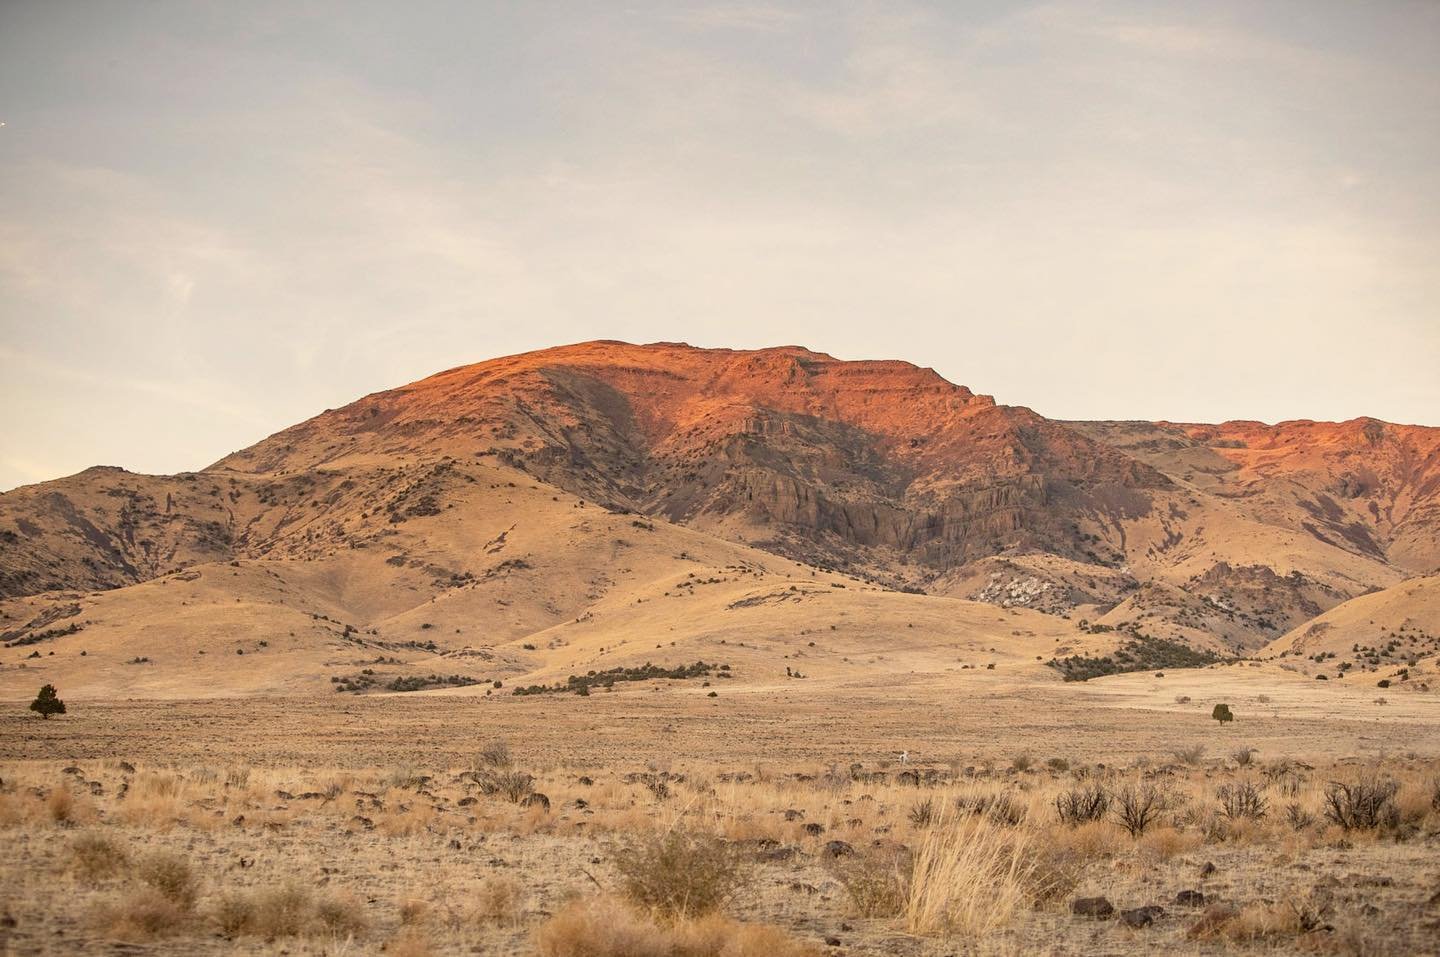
835,462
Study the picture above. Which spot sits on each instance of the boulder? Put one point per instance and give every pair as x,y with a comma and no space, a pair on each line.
1096,908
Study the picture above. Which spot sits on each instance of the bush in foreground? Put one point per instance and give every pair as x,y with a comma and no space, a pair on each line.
680,873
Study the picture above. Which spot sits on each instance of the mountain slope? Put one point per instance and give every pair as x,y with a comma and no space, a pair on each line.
508,580
412,501
1391,635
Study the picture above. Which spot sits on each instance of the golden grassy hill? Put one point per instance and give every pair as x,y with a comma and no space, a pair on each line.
1392,635
506,579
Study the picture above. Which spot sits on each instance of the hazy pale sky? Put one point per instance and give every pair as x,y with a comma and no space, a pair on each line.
217,219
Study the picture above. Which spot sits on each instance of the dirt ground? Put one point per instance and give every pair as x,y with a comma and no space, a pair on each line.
376,808
967,717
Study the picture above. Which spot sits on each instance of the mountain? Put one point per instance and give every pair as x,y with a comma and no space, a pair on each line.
513,496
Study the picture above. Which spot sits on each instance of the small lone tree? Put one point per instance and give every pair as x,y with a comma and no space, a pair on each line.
1222,713
47,703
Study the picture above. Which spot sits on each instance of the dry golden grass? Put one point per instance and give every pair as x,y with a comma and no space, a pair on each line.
702,856
601,927
971,876
97,855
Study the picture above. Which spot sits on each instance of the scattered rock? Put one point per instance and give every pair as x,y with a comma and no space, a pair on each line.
778,854
536,800
1208,869
794,814
1142,916
1096,908
814,828
832,941
1189,898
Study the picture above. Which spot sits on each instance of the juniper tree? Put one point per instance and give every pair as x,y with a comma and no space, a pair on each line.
47,702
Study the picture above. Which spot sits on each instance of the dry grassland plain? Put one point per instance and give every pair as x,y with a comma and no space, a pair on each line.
771,819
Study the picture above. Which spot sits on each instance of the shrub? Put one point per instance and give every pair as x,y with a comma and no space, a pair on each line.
60,805
878,885
497,900
679,873
141,913
994,807
1022,762
1137,806
1222,713
1244,756
514,786
1242,799
1140,652
282,911
340,914
234,914
1079,805
495,754
1191,754
1361,806
47,702
647,672
95,856
169,874
923,814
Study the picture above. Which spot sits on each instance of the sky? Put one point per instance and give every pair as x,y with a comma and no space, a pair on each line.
218,219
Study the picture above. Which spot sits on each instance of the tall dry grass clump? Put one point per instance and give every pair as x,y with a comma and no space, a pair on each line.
971,877
287,910
601,927
95,856
170,874
497,901
163,904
